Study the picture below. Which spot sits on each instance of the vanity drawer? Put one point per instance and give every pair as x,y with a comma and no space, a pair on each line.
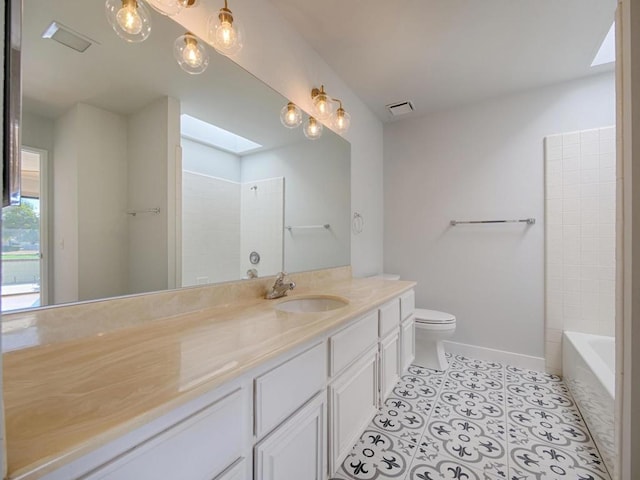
389,316
407,304
200,447
287,387
350,343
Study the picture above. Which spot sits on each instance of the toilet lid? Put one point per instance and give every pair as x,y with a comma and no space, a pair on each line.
433,316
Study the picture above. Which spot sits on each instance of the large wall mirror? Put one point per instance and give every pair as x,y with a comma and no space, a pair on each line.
139,177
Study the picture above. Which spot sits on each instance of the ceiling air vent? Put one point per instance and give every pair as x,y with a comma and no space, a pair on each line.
402,108
67,37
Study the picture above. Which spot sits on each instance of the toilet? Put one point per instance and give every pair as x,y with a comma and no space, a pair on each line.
432,328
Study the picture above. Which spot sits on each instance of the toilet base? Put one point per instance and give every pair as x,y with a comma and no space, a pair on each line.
431,356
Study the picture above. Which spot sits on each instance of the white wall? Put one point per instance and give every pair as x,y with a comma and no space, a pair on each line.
484,161
200,158
316,193
276,54
89,204
64,246
102,193
153,166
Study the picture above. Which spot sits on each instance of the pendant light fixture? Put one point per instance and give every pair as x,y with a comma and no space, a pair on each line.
340,120
130,19
312,129
225,33
171,7
290,115
191,55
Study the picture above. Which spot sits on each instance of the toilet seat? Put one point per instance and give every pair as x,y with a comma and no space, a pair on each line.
433,317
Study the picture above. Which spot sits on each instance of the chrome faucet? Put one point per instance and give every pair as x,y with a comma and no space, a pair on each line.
279,288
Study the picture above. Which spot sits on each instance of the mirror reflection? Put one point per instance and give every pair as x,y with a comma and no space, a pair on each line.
138,176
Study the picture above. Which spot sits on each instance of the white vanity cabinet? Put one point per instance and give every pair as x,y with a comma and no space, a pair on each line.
296,450
294,417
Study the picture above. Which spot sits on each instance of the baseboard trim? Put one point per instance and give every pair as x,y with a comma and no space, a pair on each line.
493,355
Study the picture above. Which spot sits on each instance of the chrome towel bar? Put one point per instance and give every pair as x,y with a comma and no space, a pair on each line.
528,221
292,227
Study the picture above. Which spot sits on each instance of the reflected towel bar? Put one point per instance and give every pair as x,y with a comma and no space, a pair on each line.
154,211
528,221
291,227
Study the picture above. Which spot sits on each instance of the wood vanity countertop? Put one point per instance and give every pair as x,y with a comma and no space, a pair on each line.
64,400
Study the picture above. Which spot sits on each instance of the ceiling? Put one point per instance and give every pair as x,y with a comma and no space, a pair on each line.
439,54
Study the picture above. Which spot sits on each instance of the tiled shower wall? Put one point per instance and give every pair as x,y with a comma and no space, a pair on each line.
262,225
580,204
210,229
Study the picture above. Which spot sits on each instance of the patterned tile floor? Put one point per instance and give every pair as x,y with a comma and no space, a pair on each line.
478,420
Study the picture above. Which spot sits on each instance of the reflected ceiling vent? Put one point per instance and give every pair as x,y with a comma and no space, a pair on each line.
402,108
67,37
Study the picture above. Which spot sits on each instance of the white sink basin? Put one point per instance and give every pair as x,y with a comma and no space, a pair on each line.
311,304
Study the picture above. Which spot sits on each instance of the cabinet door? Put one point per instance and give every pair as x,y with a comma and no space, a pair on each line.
199,448
389,363
353,401
296,449
408,341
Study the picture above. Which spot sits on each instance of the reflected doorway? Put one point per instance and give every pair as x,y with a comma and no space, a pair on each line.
24,228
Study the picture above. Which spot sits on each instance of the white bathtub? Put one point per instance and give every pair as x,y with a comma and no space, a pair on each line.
588,364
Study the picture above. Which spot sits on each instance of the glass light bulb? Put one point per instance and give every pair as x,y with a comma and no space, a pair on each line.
225,33
191,54
130,19
290,115
312,129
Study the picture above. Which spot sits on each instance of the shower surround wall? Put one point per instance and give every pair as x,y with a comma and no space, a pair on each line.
224,221
580,203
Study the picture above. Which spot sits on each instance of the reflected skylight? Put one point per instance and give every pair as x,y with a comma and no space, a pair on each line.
203,132
607,52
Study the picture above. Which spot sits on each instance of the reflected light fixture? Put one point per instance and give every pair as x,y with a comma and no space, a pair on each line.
224,33
130,19
312,129
340,120
290,115
171,7
191,55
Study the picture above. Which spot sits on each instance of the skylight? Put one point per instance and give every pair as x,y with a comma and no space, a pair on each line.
607,52
203,132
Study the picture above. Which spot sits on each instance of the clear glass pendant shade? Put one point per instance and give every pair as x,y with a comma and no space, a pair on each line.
225,32
341,120
130,19
191,54
312,129
290,116
322,105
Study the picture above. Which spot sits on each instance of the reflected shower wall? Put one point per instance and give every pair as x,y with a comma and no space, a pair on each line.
223,222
